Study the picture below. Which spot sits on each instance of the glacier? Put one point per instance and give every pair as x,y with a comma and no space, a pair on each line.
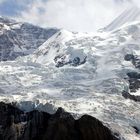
85,73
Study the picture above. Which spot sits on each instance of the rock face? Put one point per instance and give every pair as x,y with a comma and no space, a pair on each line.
131,97
134,59
43,126
7,110
19,39
134,82
133,78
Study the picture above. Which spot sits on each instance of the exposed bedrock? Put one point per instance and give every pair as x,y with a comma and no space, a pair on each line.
35,125
131,97
134,81
133,78
134,59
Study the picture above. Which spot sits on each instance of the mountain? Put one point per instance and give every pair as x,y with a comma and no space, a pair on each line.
19,39
85,73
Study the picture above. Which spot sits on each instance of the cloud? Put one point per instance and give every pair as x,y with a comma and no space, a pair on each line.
75,15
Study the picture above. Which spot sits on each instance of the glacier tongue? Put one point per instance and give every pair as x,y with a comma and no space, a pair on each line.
81,72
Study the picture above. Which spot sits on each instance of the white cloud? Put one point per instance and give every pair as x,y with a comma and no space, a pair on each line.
76,15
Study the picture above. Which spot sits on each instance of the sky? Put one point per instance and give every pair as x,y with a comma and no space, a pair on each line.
74,15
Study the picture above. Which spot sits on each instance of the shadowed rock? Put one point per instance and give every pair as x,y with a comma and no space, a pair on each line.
136,129
7,110
131,97
134,75
134,59
129,57
92,129
44,126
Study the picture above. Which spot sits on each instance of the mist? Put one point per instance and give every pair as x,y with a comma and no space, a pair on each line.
74,15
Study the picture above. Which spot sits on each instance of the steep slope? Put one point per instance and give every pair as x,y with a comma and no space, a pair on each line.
129,15
55,50
18,39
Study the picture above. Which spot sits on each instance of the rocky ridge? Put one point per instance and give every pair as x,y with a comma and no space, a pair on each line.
35,125
20,39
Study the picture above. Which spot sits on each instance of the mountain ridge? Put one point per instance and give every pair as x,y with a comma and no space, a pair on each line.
20,38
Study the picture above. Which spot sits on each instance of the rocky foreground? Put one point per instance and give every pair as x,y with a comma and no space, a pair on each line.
35,125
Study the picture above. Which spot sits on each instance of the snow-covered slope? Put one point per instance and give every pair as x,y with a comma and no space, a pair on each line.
18,39
81,72
129,15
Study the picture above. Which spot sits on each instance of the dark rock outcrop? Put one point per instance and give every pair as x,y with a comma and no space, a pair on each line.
86,126
134,81
7,110
129,57
43,126
134,59
133,78
133,75
20,39
136,129
131,97
60,61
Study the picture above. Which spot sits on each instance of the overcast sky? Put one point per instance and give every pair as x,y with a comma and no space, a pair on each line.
75,15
